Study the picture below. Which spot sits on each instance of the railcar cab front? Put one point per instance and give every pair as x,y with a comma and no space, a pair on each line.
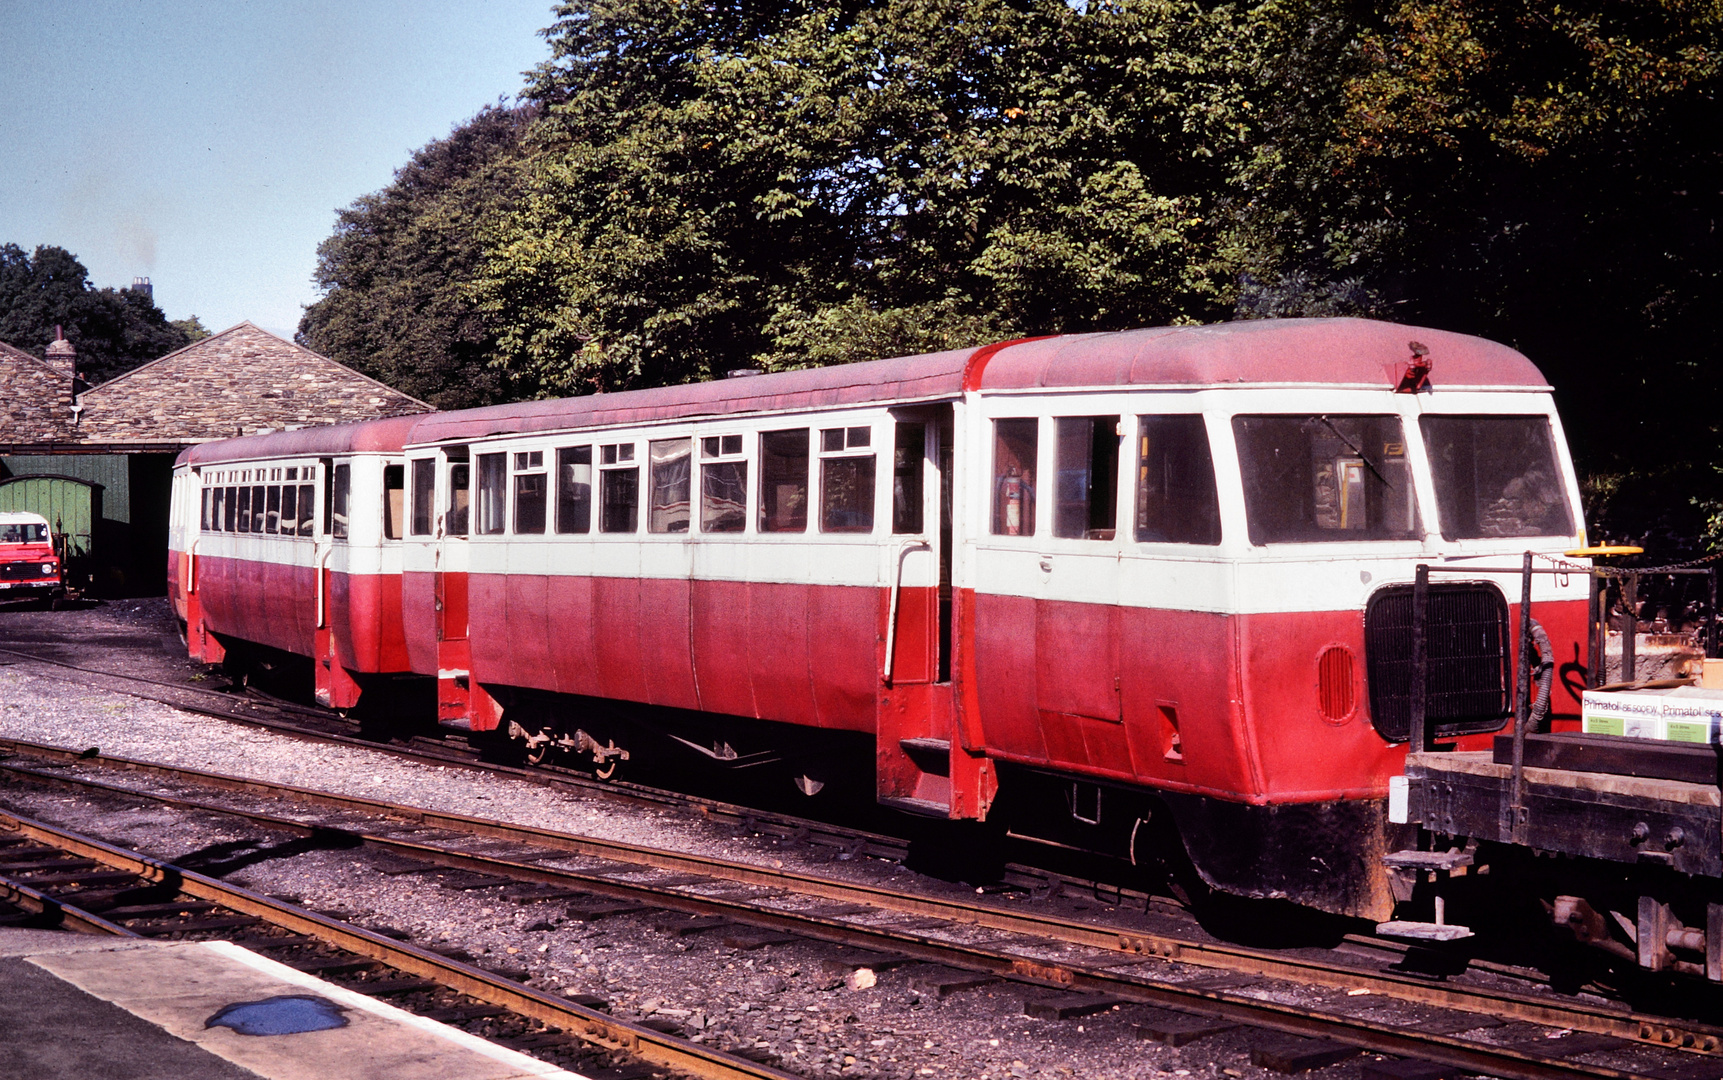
1190,608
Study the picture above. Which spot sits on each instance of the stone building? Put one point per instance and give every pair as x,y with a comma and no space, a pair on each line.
36,398
239,382
119,439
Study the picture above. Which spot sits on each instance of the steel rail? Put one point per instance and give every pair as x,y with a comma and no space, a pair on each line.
588,1024
58,912
1632,1028
872,843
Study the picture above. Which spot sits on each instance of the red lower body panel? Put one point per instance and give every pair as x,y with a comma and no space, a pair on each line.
794,653
1220,705
275,605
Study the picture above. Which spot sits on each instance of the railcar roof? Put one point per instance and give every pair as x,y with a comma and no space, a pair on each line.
365,436
1335,352
1308,352
1273,352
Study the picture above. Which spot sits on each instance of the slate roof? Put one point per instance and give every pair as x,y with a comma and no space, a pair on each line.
241,381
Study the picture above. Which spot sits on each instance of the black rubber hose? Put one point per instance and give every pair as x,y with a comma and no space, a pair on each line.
1544,675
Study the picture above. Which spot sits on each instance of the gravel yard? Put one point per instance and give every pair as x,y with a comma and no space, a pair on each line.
786,1000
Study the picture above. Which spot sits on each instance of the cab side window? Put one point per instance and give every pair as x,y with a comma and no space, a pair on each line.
424,496
1015,443
341,491
1176,498
394,500
1086,458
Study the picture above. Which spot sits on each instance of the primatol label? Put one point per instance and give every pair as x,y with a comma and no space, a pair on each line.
1633,713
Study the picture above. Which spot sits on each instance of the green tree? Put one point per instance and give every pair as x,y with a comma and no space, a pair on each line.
114,330
193,328
726,185
1539,173
395,272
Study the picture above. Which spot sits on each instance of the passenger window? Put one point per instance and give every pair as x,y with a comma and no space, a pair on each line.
530,494
906,469
1086,462
492,494
394,500
340,494
784,481
1177,502
243,524
460,497
272,512
1014,448
1325,478
230,511
289,509
257,506
206,496
671,483
574,489
723,485
307,508
846,481
621,495
424,495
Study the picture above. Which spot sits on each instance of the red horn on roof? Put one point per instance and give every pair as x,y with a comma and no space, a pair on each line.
1416,377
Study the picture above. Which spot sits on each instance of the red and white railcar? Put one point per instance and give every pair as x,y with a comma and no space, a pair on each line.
1086,583
283,542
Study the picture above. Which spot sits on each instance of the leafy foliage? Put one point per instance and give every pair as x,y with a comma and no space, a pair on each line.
114,330
718,186
394,274
707,184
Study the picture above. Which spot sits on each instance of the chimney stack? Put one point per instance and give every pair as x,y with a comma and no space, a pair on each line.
61,353
142,285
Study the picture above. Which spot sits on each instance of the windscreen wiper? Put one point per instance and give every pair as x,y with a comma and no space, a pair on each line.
1362,456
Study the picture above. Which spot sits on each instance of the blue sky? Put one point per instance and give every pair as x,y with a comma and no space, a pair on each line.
207,145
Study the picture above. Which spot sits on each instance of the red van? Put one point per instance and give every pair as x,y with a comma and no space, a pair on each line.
28,564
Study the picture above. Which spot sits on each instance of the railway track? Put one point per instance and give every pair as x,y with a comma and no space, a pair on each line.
52,877
1075,966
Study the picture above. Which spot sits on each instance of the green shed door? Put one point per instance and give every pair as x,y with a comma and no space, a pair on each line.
70,505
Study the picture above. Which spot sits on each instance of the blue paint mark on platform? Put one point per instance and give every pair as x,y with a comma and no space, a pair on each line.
288,1014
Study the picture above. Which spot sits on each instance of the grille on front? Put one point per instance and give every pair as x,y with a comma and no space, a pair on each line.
13,571
1466,644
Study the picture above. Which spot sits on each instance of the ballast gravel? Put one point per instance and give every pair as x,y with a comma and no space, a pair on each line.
779,1001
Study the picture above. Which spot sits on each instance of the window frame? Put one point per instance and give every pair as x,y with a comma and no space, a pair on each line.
525,465
807,480
731,451
573,453
1137,493
612,459
851,449
422,499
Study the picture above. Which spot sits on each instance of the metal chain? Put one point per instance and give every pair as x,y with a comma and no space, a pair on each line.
1619,571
